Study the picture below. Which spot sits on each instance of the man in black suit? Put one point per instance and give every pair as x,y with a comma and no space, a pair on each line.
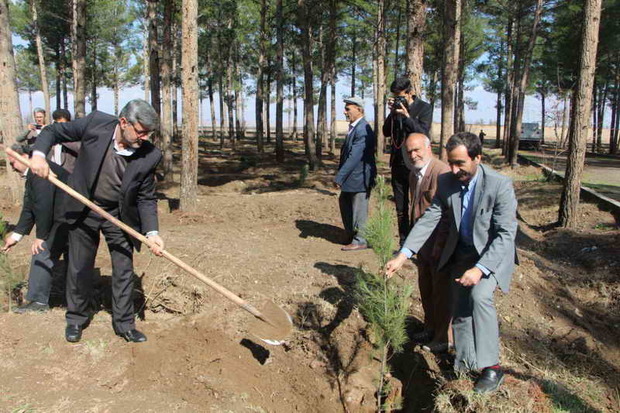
41,207
116,170
413,117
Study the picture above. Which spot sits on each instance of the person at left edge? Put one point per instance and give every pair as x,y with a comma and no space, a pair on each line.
116,170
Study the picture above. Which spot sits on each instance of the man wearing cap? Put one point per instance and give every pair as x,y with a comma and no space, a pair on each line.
356,174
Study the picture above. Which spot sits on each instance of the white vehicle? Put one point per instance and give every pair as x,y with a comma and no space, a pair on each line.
530,137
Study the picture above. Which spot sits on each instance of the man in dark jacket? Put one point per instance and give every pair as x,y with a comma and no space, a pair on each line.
116,170
356,174
41,208
408,114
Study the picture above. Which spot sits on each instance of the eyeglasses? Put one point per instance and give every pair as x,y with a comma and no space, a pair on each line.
141,133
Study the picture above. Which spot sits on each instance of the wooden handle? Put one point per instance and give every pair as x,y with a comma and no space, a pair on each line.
197,274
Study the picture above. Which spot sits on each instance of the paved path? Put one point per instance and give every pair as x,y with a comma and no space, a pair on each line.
601,173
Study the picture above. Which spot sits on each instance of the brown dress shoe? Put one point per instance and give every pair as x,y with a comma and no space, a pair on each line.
354,247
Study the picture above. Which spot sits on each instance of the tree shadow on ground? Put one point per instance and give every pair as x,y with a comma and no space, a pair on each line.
418,377
328,232
310,316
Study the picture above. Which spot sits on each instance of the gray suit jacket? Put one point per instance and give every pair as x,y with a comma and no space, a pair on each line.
494,227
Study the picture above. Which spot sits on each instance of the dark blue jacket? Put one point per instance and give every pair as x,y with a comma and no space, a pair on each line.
357,170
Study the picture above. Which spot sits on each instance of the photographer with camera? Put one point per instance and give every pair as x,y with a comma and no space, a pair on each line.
30,135
408,114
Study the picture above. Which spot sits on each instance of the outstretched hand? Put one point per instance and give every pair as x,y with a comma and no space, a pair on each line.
9,243
395,264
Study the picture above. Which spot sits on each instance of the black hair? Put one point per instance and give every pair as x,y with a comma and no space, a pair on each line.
61,114
401,84
468,140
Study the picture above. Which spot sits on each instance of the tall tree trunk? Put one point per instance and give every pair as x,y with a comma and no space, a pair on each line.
223,118
306,51
79,57
509,86
268,104
498,120
524,74
166,74
380,83
601,118
569,201
154,56
543,111
416,27
452,34
10,115
353,61
145,67
189,167
260,80
65,77
294,96
594,115
396,63
42,67
332,104
279,82
322,109
333,17
94,80
230,101
239,97
459,114
58,77
212,108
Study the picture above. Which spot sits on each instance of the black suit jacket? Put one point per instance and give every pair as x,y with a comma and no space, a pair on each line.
138,205
42,204
398,127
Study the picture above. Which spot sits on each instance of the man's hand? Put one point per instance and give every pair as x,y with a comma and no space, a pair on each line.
470,278
37,246
336,185
395,264
9,243
39,166
32,126
157,245
402,110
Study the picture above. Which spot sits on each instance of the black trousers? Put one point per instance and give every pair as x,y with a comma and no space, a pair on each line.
400,187
83,245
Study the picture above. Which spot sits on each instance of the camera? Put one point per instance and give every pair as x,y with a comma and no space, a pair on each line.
398,101
38,126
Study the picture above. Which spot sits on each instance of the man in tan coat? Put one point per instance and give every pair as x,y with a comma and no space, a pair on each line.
434,285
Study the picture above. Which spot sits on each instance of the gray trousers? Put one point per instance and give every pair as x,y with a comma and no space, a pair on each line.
475,327
47,271
40,276
354,212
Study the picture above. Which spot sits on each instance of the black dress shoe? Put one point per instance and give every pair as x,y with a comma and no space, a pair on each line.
133,336
32,307
73,333
490,379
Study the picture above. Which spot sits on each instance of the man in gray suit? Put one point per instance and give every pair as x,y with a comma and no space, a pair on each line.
356,174
479,252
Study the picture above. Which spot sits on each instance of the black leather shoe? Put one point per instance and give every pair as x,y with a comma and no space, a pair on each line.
133,336
490,379
73,333
32,307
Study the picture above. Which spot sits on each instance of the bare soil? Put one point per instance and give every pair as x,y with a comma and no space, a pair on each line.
260,234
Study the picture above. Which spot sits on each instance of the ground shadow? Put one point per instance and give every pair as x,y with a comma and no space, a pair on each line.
412,368
328,232
260,353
